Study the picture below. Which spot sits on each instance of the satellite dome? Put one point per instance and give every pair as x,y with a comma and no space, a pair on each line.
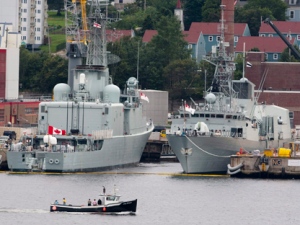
211,98
112,93
243,79
61,92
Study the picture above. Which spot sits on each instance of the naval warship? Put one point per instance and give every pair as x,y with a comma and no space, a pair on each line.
91,124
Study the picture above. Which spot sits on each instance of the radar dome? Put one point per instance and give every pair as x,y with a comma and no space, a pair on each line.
111,93
132,82
243,79
61,92
210,98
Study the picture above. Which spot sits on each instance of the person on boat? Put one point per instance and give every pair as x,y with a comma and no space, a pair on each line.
99,202
64,201
89,202
94,202
104,190
56,202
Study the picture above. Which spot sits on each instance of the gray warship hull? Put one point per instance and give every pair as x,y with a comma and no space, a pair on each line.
209,154
116,152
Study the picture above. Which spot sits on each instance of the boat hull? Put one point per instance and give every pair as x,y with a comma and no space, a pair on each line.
128,206
116,152
210,154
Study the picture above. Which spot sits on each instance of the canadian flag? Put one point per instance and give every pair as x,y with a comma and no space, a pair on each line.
144,97
189,109
54,130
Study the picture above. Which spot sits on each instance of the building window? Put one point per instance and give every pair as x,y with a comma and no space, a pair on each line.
23,28
1,115
37,29
38,2
270,35
38,20
292,14
275,56
292,2
190,46
210,38
24,19
266,56
262,35
218,38
236,38
24,1
31,110
291,115
24,38
298,37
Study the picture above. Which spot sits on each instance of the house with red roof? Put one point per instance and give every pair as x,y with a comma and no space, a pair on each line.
271,46
289,29
211,32
195,42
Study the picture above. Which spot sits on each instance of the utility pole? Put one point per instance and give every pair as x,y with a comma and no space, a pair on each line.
6,37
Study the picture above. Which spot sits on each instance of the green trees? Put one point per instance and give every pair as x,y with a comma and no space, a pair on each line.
192,12
40,71
257,10
167,46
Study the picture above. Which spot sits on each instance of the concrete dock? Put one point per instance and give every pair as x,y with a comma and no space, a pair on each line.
281,163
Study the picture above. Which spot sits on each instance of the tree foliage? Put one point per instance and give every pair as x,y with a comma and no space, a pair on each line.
41,71
257,10
288,56
211,11
192,12
56,5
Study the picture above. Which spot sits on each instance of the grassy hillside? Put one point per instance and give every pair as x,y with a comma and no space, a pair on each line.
57,32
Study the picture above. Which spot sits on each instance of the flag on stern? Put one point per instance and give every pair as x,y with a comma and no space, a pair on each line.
97,25
54,130
189,109
144,97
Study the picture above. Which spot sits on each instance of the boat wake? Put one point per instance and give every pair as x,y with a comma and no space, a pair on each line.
8,210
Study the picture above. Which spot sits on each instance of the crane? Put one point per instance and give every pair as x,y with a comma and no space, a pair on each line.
293,49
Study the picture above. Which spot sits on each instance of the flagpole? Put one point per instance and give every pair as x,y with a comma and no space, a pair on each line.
244,58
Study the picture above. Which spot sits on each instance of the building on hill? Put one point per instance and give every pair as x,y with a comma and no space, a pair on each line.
287,28
10,42
28,17
178,11
293,10
211,32
271,46
276,83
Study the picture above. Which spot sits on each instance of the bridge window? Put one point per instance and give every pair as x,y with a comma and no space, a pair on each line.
220,116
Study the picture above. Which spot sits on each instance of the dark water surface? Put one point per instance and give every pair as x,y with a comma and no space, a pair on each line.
164,197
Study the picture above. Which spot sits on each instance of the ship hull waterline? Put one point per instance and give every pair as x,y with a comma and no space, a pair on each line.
211,154
116,152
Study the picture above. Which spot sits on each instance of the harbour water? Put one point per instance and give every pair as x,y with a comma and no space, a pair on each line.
165,196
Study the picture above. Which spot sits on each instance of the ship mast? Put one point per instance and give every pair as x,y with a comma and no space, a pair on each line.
223,62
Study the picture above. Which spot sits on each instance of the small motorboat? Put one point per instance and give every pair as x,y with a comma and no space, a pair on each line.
106,204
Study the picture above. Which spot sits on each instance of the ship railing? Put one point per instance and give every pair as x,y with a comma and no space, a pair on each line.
102,134
218,133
